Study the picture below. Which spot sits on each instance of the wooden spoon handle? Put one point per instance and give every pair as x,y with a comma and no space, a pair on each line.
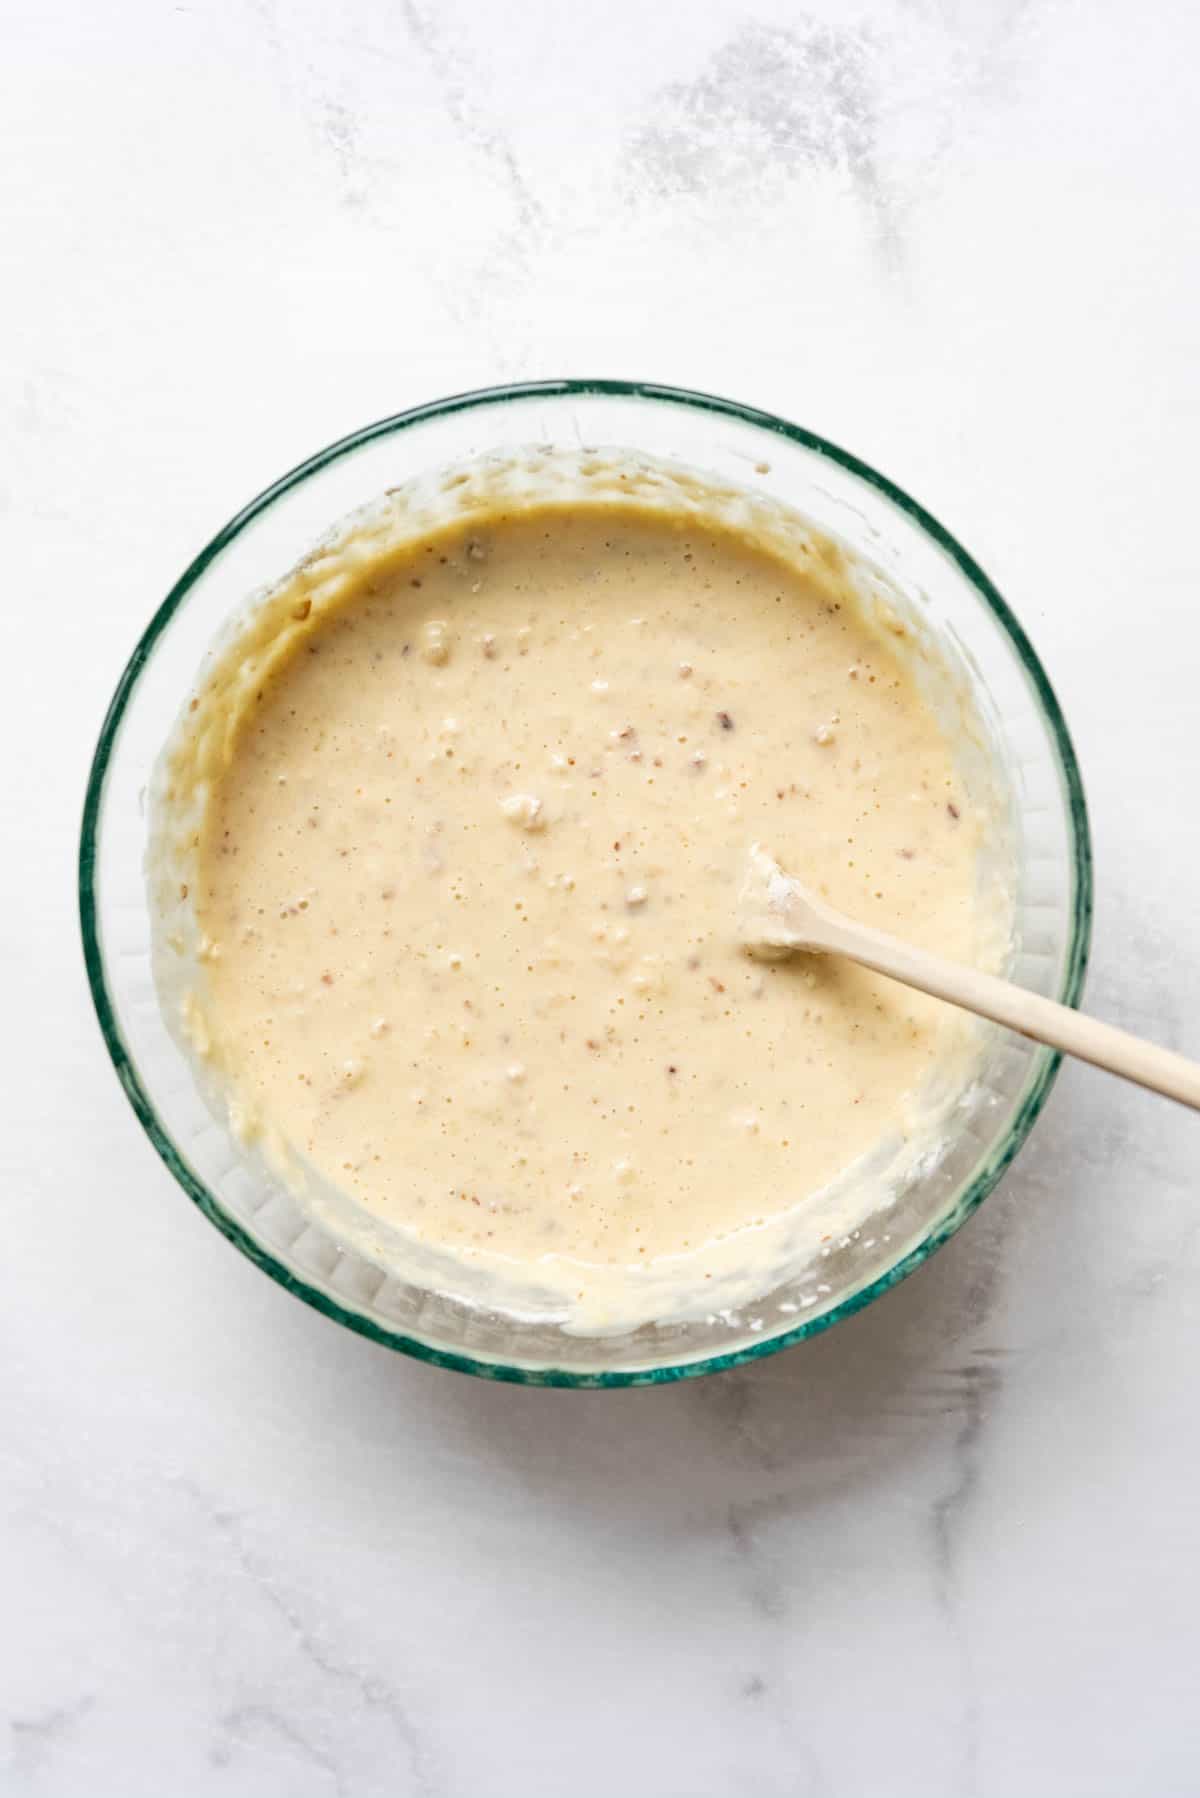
1029,1013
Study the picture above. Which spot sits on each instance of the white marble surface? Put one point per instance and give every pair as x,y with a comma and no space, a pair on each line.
954,1546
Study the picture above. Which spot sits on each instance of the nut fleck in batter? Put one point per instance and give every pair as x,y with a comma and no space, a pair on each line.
467,882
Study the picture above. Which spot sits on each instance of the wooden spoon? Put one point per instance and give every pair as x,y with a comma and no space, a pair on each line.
779,915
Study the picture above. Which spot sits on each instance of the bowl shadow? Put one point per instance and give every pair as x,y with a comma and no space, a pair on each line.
796,1428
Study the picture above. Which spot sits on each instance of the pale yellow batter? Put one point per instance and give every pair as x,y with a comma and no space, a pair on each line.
467,885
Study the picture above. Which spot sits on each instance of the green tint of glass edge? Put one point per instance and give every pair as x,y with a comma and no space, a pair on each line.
1045,1066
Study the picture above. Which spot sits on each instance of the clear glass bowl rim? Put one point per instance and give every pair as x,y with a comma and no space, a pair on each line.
1045,1068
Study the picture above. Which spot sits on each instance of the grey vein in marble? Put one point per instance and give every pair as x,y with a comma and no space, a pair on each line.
950,1521
34,1738
248,1721
375,1694
460,87
773,100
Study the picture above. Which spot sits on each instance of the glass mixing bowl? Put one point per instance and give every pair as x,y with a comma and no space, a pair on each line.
735,443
